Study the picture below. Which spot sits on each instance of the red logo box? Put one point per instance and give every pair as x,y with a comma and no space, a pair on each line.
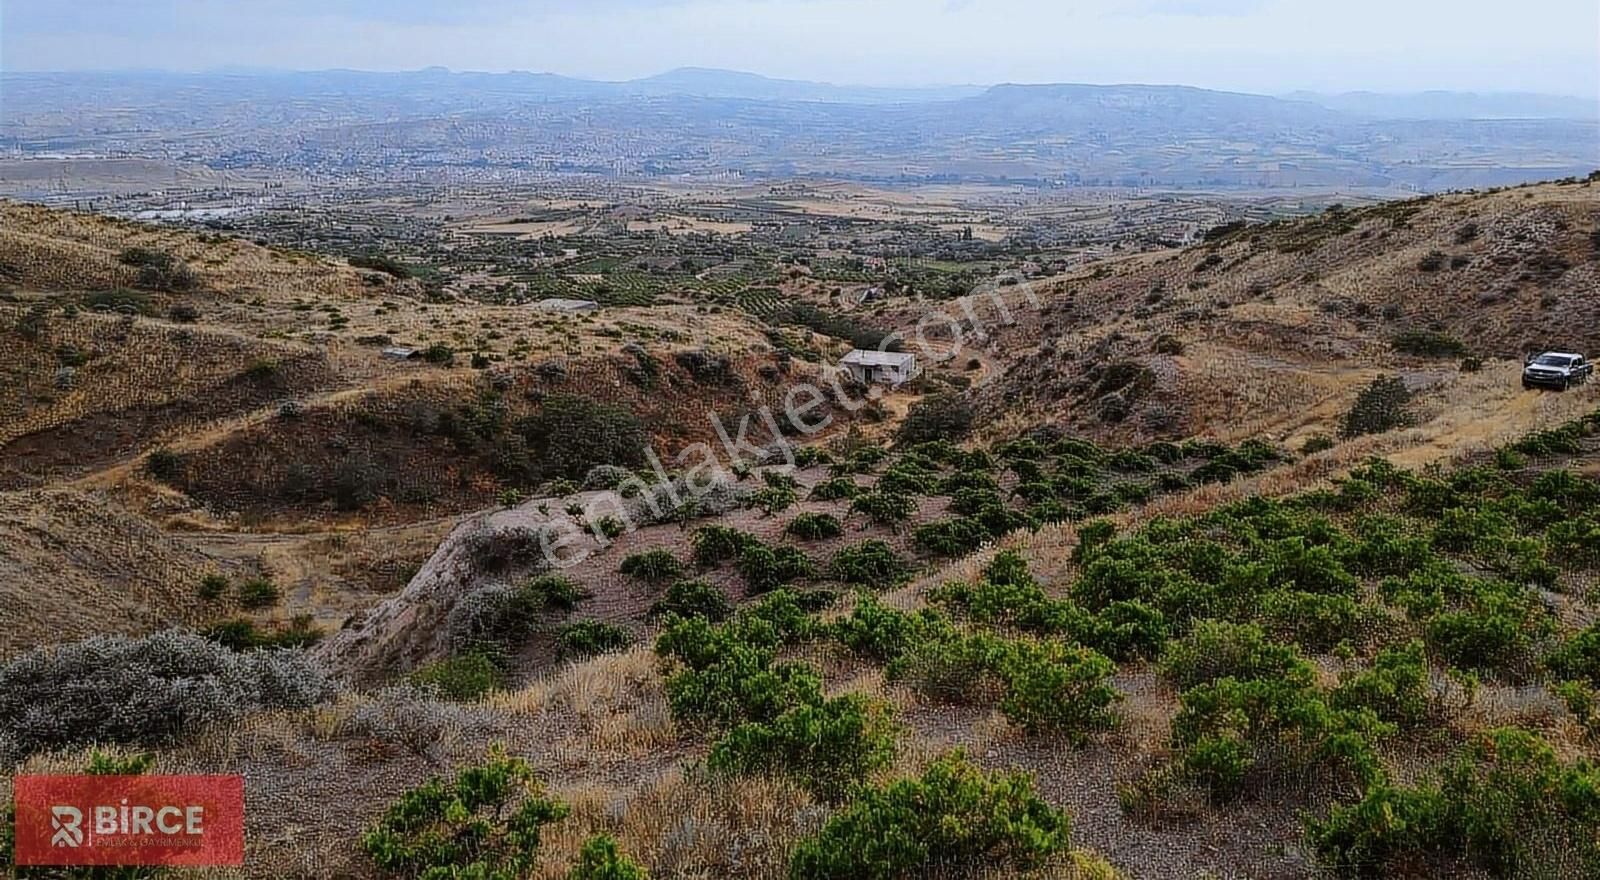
130,820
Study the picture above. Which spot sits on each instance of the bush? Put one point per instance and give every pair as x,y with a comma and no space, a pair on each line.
212,586
464,678
601,860
257,593
1053,689
694,599
1314,621
733,681
814,527
1216,649
827,748
938,417
656,566
495,618
571,434
884,508
606,476
485,823
590,637
165,465
1395,688
835,489
774,500
439,354
243,635
951,537
1380,408
1315,444
886,634
1426,343
381,263
114,689
766,568
1228,727
870,563
714,545
954,816
1505,804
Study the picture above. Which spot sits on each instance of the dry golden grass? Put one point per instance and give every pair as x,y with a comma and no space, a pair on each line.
613,704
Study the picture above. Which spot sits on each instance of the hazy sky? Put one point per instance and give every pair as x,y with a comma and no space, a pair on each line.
1255,45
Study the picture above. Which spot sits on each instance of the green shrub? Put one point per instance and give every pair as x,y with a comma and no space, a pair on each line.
937,417
486,823
243,635
811,456
212,586
1495,629
774,500
1379,408
463,678
1316,443
814,527
1396,688
951,537
954,816
958,669
570,434
828,748
766,568
165,465
1390,826
611,527
1314,621
587,638
871,563
835,489
439,354
714,545
1578,656
884,508
600,859
657,566
1226,728
1216,649
1051,688
1506,805
553,592
257,593
694,599
743,685
886,634
1427,343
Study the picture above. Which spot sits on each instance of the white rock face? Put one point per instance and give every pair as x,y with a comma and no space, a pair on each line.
409,629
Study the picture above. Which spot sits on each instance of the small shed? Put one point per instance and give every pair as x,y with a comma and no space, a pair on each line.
555,304
892,368
400,353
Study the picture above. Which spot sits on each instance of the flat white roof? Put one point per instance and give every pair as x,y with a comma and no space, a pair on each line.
862,357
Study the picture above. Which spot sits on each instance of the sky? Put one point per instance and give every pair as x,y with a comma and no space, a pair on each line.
1265,46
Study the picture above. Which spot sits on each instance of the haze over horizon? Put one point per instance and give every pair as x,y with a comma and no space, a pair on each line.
1258,46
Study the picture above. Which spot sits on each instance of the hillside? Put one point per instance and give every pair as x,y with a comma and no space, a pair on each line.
1110,593
1269,330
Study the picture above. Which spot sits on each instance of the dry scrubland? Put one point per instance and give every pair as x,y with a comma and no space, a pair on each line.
1268,330
1316,637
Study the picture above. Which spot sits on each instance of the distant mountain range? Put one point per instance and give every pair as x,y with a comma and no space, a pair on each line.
1455,105
696,121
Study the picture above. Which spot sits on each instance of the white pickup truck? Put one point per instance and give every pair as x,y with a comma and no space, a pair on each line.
1556,369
